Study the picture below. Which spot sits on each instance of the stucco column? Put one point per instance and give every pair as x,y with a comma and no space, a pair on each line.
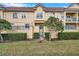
77,20
1,13
64,19
30,33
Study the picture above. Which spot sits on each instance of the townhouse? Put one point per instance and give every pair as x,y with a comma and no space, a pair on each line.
30,19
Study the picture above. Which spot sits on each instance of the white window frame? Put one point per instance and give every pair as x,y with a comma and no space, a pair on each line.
23,15
38,14
15,17
27,27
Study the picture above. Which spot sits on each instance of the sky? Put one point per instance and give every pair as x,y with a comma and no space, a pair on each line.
33,4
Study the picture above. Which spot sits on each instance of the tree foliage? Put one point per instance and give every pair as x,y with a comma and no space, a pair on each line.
54,23
4,24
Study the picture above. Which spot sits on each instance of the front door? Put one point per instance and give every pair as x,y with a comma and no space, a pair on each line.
41,30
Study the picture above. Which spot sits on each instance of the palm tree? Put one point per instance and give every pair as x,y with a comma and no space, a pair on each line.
54,25
3,26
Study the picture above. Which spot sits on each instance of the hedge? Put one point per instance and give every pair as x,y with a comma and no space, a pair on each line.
47,35
37,35
15,36
68,35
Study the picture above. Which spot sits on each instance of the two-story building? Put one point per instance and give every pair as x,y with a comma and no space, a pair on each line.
30,19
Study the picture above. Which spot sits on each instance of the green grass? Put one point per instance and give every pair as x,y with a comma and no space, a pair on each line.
47,48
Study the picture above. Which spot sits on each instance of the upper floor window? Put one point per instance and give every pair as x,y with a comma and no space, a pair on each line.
39,15
23,16
15,16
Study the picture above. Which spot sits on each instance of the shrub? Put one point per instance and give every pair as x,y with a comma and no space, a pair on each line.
47,35
68,35
15,36
37,35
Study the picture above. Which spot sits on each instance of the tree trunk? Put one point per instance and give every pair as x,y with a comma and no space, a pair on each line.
50,35
1,38
53,34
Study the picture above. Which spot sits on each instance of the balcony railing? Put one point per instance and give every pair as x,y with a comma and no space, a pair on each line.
70,27
71,19
78,20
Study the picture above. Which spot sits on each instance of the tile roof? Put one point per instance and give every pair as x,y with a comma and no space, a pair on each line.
72,4
25,9
71,9
19,9
53,9
32,9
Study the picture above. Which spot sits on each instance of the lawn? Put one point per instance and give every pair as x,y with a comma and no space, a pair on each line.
34,48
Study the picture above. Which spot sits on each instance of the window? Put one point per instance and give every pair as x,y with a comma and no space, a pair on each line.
27,26
16,27
70,27
23,16
15,16
39,15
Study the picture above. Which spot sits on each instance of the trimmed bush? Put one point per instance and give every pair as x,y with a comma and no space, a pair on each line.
68,35
47,35
15,36
37,35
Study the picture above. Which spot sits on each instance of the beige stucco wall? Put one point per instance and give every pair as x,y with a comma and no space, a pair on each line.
31,18
1,14
19,21
9,17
